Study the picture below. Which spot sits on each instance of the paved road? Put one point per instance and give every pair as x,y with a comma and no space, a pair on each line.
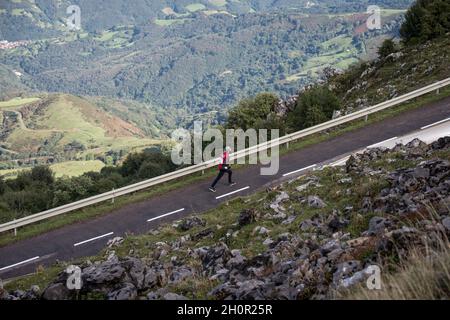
88,238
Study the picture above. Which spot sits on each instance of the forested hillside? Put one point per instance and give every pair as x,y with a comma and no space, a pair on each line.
42,19
202,65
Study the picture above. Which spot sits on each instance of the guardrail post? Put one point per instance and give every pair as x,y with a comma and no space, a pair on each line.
437,91
366,118
112,200
203,171
287,145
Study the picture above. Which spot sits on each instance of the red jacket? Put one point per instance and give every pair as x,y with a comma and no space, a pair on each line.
225,158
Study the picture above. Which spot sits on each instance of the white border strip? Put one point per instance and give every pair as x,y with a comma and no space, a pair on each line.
433,124
92,239
387,140
19,263
339,162
233,192
302,169
165,215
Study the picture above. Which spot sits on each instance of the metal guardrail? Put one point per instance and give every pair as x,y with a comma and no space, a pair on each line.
12,225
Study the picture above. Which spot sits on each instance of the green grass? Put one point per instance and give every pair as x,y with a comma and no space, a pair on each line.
15,102
211,12
76,168
339,41
78,121
68,168
165,23
107,35
17,12
339,53
384,13
104,208
169,11
389,12
422,275
118,38
195,7
10,173
22,140
218,3
345,63
42,277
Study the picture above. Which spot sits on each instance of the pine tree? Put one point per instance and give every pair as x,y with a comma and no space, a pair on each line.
386,48
425,20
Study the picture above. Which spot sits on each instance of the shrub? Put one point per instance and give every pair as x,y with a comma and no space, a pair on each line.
387,47
314,106
250,111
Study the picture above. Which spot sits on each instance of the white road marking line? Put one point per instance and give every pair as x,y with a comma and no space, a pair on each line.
165,215
302,169
387,140
433,124
19,263
92,239
338,162
235,191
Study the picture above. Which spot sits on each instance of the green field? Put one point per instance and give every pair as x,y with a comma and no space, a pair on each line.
15,102
76,168
69,169
195,7
384,13
389,12
17,12
211,12
218,3
340,53
169,22
107,35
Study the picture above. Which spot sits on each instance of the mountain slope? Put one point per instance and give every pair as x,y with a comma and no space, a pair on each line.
204,65
10,84
63,127
406,69
46,18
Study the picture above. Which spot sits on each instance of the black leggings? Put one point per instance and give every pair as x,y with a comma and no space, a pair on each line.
220,175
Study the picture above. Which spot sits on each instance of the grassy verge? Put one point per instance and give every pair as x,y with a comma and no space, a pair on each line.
103,208
42,277
423,275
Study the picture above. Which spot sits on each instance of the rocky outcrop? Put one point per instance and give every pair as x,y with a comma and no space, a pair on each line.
318,256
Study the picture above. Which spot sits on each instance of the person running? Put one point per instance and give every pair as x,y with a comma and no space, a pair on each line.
224,167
